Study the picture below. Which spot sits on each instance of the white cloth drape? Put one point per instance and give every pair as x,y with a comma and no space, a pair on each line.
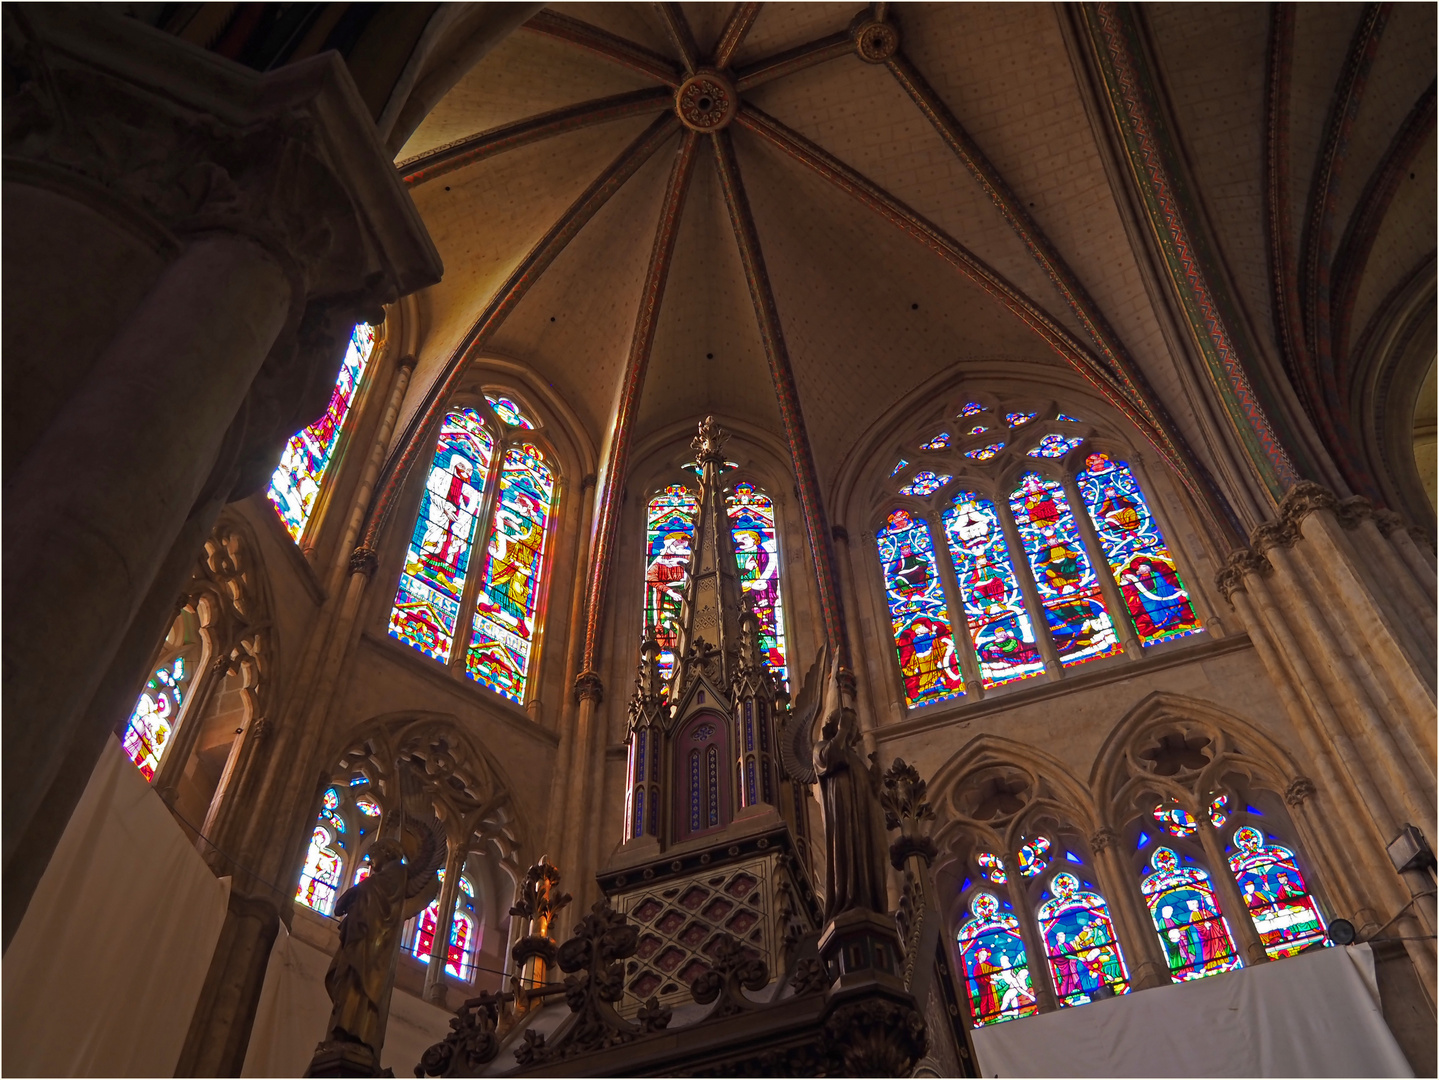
1311,1015
102,976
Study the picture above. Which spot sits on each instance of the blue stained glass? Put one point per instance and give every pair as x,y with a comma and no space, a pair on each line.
296,483
925,483
1054,446
1068,586
696,796
1284,913
919,618
1019,419
506,409
1034,856
1079,942
895,470
1195,936
1143,839
1157,600
669,524
503,635
1072,857
993,605
752,525
984,453
438,559
971,408
939,442
996,972
1071,419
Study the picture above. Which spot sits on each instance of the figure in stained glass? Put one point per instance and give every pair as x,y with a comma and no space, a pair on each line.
1156,597
153,721
669,524
503,627
1079,942
295,484
1194,933
1068,586
437,561
320,879
996,971
1284,913
752,525
993,605
920,620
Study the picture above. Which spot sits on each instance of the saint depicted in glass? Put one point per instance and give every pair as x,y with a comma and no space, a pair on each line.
296,483
153,721
1079,941
1284,913
462,942
995,969
917,612
669,524
427,604
1068,586
1195,936
993,605
320,880
1157,600
756,547
503,635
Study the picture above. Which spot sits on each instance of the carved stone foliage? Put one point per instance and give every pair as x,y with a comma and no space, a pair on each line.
593,956
875,1037
471,1043
902,798
736,968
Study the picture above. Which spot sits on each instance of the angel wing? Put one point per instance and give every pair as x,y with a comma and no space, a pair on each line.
796,735
421,884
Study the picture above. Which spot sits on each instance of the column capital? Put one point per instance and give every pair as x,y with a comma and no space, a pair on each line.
1237,567
1300,790
588,687
1102,838
363,560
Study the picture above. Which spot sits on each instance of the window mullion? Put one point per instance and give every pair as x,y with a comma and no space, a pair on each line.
1113,597
1024,574
478,547
1040,976
954,604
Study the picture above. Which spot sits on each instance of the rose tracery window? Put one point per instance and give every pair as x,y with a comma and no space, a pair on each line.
1061,564
488,478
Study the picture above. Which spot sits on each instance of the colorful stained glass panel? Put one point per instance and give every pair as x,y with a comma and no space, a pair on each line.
992,867
1033,856
1219,810
1284,913
1156,597
427,604
939,442
669,524
996,972
1196,938
503,629
1019,419
1176,821
918,615
296,483
320,879
1079,942
971,408
994,608
924,484
155,715
984,453
510,412
901,464
1068,586
752,524
1054,446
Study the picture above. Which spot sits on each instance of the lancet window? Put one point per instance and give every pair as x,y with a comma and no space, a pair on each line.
336,857
1057,556
669,527
489,478
167,693
996,966
465,930
295,485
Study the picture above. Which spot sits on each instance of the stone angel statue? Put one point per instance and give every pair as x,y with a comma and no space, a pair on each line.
401,884
854,872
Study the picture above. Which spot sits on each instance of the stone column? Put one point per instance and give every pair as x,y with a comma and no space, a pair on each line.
1231,900
1133,925
434,991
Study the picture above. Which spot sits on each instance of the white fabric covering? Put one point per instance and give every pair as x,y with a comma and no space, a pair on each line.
290,1019
1310,1015
103,973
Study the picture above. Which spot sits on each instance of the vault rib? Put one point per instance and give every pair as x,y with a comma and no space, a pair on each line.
442,160
736,27
501,304
681,36
611,46
792,60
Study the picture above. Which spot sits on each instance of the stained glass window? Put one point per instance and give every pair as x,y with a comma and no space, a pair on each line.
320,879
1079,942
457,959
1284,913
296,483
1195,936
993,605
971,408
996,971
367,806
939,442
1034,856
984,453
437,562
1054,446
153,721
992,866
917,612
506,409
1018,419
669,524
901,464
1219,810
1068,586
1175,820
924,484
752,524
1071,419
1157,600
978,429
503,633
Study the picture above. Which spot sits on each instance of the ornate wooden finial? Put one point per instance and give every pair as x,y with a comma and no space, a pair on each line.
709,444
905,809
